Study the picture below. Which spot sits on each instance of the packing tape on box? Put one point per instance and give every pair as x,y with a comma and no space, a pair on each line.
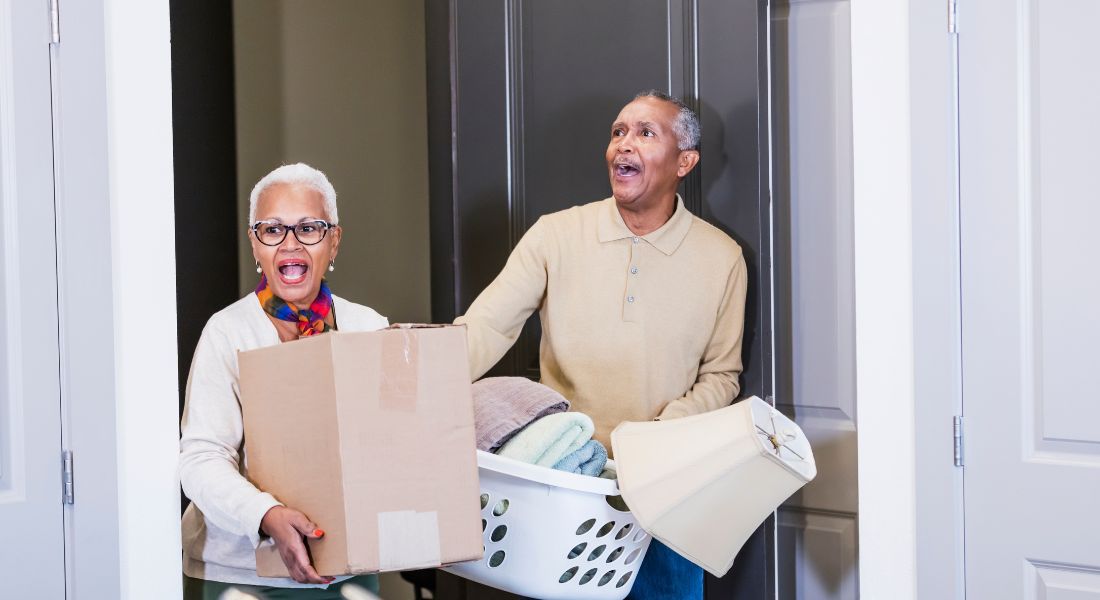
408,540
400,371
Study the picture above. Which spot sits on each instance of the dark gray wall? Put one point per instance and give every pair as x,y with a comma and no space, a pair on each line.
205,167
521,94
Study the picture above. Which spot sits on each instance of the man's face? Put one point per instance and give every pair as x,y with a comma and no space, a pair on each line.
644,161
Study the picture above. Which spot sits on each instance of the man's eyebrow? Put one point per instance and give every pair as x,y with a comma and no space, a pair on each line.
640,125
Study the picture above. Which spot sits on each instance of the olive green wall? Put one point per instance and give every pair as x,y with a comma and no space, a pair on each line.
340,85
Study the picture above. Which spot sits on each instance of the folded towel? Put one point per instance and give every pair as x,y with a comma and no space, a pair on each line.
588,460
504,405
550,439
610,471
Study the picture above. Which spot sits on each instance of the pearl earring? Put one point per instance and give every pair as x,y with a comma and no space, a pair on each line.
259,269
331,266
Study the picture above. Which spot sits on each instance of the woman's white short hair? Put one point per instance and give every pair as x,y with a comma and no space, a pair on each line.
302,174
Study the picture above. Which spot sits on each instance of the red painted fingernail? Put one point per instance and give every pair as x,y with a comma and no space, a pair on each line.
318,533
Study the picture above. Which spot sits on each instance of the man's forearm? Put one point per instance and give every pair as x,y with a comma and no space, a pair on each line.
711,391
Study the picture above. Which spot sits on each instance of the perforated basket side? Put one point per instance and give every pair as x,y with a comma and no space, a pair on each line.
548,541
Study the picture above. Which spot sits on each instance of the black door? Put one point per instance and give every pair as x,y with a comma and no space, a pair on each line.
521,94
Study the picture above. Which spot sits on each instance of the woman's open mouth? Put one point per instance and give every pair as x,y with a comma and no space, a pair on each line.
292,271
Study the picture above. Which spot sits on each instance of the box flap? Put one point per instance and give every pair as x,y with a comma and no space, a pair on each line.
293,451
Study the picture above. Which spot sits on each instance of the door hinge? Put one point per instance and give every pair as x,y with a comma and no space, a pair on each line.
55,22
67,477
958,429
952,16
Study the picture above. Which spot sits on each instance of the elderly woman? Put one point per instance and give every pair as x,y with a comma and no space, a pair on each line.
295,237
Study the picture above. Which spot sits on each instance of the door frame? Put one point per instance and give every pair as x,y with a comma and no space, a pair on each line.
117,313
116,160
908,353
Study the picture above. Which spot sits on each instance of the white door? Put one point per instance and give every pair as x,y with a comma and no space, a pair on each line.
1030,221
815,332
32,555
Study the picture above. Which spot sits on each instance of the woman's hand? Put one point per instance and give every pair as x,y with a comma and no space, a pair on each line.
287,526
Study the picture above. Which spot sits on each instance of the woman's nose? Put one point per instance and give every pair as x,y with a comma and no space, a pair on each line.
290,242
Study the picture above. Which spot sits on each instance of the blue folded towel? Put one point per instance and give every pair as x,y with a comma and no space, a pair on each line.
588,460
550,439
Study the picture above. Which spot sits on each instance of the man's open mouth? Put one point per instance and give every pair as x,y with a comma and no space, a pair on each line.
626,169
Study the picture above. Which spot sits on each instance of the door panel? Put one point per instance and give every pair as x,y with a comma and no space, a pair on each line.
1030,324
816,554
521,94
32,556
815,322
1056,582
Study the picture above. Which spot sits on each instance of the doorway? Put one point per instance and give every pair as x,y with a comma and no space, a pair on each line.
295,75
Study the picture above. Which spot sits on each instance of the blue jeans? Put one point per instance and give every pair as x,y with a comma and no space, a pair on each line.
666,575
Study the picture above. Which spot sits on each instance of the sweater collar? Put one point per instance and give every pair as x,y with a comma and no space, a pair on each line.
666,238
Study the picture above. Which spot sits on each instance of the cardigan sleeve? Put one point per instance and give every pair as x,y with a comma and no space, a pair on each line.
212,432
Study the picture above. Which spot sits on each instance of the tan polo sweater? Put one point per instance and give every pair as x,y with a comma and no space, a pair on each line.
632,327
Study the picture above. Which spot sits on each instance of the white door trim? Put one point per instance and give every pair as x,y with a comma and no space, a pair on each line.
906,249
884,298
116,265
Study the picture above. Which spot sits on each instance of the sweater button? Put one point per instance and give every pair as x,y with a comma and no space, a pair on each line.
630,298
633,270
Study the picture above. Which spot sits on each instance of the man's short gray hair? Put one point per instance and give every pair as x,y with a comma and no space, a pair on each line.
302,174
686,125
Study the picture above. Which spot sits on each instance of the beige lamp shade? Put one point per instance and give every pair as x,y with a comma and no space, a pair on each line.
703,484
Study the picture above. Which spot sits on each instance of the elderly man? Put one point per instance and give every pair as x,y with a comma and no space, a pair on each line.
641,302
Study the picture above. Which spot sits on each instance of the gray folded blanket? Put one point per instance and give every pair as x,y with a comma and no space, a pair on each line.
505,405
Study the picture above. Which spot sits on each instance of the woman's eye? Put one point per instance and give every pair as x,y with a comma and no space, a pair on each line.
307,228
273,229
648,133
617,133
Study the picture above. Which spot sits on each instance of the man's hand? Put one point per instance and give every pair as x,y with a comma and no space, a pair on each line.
287,526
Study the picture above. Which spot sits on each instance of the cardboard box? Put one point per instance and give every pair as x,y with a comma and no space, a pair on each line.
371,435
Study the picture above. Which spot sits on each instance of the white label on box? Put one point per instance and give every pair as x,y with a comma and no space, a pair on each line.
408,540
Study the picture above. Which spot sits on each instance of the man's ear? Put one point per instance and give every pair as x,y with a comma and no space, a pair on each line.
687,162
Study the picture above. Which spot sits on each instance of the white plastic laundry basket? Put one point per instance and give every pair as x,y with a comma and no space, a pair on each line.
553,535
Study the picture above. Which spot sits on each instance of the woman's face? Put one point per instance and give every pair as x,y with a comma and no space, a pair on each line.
294,270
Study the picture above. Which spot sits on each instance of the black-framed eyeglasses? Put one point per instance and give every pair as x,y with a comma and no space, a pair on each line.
272,233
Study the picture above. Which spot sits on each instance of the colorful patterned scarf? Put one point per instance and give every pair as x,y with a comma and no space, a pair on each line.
310,320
